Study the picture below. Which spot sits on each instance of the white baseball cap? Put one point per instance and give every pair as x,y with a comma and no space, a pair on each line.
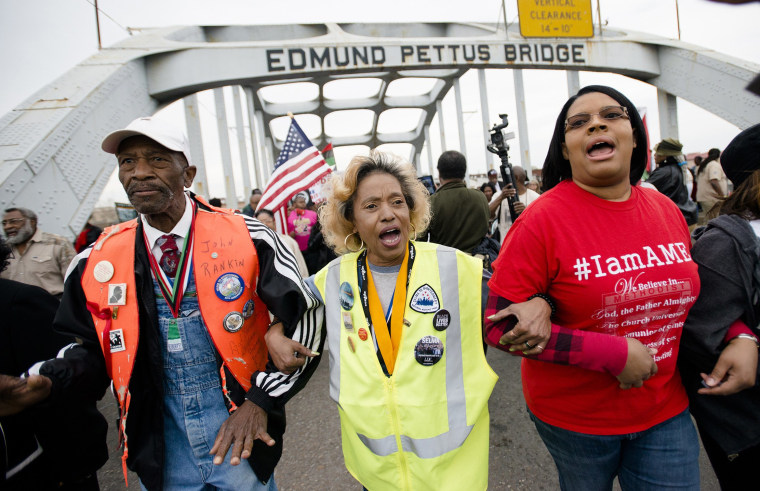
167,135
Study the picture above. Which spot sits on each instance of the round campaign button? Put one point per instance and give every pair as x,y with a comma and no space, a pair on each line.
363,334
229,286
346,296
233,322
428,351
248,309
441,320
103,271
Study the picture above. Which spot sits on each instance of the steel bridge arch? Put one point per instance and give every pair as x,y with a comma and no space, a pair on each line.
50,157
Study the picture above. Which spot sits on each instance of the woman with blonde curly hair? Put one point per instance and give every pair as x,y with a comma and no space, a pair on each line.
407,367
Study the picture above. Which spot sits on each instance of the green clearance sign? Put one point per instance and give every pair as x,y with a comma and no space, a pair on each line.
555,18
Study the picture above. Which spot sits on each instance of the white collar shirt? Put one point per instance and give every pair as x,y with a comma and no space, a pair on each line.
180,230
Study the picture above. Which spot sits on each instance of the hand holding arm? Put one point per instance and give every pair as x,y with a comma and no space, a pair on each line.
735,370
533,326
281,288
246,424
17,394
585,349
287,355
639,365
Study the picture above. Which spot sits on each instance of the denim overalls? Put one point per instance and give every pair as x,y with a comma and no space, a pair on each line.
194,407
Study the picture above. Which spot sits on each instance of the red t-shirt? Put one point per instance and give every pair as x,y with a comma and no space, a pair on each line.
621,268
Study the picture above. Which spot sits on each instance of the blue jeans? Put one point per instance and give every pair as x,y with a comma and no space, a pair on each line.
194,407
666,456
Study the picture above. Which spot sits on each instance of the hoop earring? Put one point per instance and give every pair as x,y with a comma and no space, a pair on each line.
414,231
345,243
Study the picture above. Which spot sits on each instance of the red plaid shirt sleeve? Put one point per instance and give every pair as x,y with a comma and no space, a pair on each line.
585,349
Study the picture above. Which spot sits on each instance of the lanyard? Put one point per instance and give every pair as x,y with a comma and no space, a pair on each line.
388,340
173,289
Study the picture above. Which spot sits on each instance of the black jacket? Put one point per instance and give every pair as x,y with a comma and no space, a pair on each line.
27,337
81,372
668,179
460,216
726,251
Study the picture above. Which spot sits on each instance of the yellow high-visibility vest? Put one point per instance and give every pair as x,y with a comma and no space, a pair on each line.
426,426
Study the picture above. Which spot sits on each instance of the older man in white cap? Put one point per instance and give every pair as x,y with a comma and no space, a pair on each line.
173,308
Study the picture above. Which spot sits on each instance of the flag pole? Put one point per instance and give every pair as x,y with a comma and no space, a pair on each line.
290,115
97,25
678,21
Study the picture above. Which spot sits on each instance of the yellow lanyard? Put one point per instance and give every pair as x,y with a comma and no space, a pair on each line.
388,342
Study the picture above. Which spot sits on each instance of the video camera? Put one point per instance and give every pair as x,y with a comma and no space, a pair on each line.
500,147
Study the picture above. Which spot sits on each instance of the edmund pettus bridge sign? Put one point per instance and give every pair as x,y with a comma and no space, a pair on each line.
50,156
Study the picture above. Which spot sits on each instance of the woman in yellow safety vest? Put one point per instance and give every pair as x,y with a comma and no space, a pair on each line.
403,322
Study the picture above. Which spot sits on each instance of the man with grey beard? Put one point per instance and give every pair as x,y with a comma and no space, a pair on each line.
39,258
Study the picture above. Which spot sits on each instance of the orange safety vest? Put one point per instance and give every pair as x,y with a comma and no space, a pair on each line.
222,245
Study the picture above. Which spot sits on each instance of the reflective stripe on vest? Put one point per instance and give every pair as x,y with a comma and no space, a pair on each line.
456,402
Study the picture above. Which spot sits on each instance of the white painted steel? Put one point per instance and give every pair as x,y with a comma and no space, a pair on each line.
522,123
50,157
193,125
224,148
241,141
668,109
485,120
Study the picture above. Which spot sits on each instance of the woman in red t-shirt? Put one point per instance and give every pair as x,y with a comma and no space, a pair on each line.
612,260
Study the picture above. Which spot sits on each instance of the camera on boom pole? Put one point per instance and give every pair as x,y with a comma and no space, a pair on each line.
500,147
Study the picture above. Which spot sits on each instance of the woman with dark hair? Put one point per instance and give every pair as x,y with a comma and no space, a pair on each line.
712,185
612,261
557,166
488,189
718,358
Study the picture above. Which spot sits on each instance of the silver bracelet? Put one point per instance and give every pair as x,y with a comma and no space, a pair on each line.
749,336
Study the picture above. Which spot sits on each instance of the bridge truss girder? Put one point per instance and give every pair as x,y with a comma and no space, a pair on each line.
50,157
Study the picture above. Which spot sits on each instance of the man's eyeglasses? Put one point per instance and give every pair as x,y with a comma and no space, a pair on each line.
607,113
13,221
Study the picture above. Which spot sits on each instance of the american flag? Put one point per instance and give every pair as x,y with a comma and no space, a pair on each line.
299,166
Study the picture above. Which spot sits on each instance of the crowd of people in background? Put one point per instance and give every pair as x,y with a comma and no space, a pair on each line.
631,291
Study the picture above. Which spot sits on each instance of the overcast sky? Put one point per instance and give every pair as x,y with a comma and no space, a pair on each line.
42,39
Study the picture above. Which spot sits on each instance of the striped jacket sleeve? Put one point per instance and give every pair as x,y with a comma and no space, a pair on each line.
282,289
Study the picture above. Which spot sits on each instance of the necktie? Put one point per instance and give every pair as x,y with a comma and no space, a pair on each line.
170,255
